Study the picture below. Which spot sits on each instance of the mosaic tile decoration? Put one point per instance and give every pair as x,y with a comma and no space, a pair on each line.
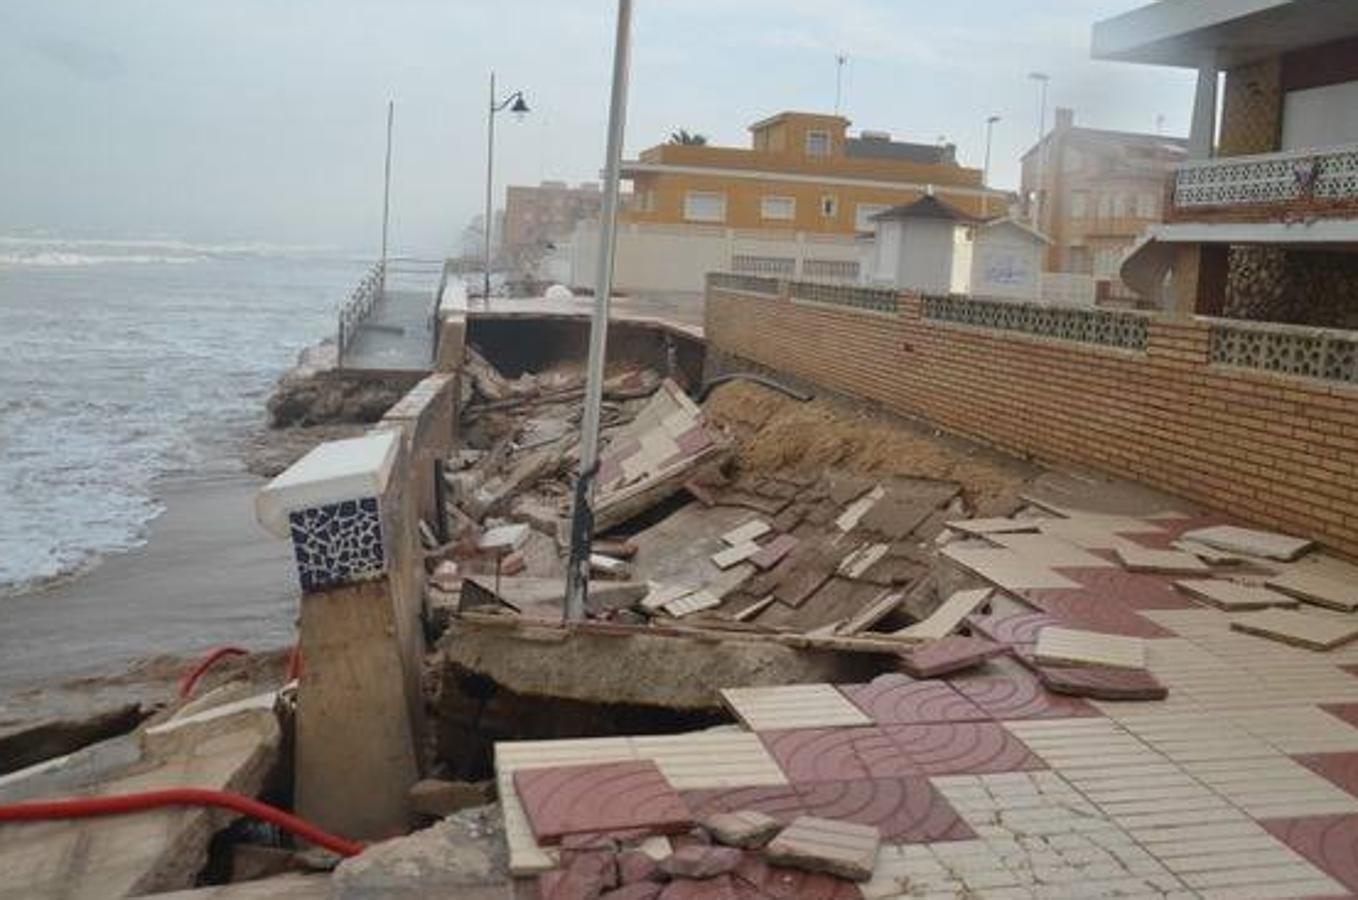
337,543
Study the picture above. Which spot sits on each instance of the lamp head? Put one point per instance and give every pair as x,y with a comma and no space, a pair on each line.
520,108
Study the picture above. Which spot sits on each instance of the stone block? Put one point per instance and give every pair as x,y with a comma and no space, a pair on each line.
698,861
745,828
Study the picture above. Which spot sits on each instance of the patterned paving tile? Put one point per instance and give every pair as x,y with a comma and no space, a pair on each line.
782,803
957,747
905,810
1340,769
1021,696
1102,683
947,655
1331,842
1012,628
709,759
792,706
894,699
811,755
609,796
1348,712
1080,609
757,880
1135,590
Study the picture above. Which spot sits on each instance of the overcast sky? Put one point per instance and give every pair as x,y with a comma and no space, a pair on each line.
262,120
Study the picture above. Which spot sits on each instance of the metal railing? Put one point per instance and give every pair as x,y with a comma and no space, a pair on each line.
1326,176
1108,328
1327,354
356,309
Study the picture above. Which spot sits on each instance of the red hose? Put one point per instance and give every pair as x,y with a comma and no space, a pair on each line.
295,662
85,807
191,680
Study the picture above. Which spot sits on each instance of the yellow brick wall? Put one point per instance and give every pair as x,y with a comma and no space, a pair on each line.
1278,451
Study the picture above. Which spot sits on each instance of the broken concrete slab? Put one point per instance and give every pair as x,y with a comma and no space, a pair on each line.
439,798
1160,562
950,654
1073,647
1251,542
746,533
946,619
1317,588
544,596
848,520
1233,596
745,828
690,603
1007,569
451,858
846,849
701,862
283,887
1314,632
157,850
738,553
1102,683
504,538
982,527
772,553
860,560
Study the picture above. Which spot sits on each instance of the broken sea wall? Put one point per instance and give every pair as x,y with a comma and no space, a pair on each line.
1260,422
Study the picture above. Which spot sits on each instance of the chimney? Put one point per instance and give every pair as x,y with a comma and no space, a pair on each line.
1065,118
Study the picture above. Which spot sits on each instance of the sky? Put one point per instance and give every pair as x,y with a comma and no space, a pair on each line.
263,121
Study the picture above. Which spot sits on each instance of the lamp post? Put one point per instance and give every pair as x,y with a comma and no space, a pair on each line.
1042,79
518,108
985,171
582,513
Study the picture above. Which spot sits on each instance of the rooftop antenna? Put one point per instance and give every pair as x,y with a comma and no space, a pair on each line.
840,60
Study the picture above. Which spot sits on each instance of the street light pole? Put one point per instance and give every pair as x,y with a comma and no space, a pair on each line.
985,171
1042,78
582,516
493,107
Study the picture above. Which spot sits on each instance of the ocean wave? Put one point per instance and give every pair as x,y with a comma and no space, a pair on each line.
24,247
58,260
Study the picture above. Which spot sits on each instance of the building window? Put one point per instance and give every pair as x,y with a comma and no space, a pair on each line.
818,143
863,213
829,206
705,206
1079,205
782,209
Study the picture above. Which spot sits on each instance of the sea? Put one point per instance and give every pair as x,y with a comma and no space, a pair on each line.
126,361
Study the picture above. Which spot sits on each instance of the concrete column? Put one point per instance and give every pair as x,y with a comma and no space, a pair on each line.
1198,283
1202,132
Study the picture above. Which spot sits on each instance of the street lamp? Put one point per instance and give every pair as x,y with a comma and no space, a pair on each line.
985,171
1042,79
515,103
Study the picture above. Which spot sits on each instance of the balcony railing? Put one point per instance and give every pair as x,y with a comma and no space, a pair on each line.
1299,178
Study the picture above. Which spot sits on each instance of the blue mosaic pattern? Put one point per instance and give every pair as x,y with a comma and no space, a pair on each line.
337,543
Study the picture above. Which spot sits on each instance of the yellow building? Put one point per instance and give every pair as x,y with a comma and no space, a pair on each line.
802,173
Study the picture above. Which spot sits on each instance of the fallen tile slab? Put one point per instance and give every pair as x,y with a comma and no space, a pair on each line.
826,845
1019,695
1073,647
1317,588
745,828
1232,595
1210,555
904,810
873,613
792,706
1250,542
1007,569
754,609
1160,562
859,561
949,615
744,534
1102,683
1050,550
564,800
772,553
758,880
981,527
504,538
691,603
659,595
725,559
854,513
950,654
1297,628
962,748
700,862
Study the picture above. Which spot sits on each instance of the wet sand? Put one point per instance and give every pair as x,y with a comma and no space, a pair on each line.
208,575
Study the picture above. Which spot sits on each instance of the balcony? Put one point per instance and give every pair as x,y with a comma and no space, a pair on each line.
1268,187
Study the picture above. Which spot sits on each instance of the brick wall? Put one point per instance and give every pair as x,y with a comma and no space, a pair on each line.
1280,451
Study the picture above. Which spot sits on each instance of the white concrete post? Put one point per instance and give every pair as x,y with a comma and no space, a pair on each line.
1202,132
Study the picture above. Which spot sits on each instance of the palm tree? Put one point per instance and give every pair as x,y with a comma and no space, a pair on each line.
684,137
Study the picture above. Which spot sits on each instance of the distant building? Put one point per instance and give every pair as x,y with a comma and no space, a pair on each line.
1100,190
1263,217
537,217
792,204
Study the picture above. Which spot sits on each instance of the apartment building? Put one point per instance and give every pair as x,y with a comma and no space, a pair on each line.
1262,219
1095,192
537,217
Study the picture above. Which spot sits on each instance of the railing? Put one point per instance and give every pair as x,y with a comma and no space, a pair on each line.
1123,330
1325,177
1290,349
830,269
750,284
878,300
359,306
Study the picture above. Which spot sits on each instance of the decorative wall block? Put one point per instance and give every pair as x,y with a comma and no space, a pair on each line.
329,503
1129,331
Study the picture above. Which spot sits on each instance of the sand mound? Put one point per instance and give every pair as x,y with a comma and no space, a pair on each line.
776,432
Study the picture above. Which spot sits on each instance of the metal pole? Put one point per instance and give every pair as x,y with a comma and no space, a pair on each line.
1041,148
839,78
582,521
386,198
985,171
490,174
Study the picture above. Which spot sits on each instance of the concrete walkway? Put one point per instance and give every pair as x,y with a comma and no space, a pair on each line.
398,335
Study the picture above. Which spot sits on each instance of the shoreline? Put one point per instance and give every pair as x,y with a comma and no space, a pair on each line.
205,575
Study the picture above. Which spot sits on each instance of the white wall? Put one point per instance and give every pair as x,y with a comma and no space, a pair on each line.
1006,262
678,258
1321,117
925,258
